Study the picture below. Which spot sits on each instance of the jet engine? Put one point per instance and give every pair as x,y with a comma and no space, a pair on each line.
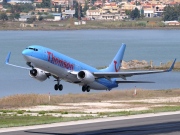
38,74
85,76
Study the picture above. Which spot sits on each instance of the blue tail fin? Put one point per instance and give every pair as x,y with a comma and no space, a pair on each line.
116,62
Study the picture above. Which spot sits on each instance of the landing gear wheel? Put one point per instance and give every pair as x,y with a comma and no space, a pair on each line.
56,86
60,87
83,88
88,89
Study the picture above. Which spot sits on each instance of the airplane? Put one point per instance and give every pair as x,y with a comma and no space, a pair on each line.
44,62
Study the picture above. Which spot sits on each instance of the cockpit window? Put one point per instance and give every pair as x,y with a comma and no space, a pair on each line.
32,49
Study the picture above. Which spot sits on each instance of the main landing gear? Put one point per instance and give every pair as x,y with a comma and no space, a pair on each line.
85,88
58,86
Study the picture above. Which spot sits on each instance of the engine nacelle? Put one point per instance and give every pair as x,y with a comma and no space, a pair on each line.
85,76
38,74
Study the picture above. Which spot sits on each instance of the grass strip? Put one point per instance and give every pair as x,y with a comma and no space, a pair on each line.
15,121
152,110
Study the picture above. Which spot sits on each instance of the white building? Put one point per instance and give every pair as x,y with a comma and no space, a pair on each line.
110,17
69,12
24,18
57,16
148,12
19,1
93,14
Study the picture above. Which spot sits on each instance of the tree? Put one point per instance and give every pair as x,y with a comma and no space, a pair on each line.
5,4
93,8
128,12
31,20
14,16
86,7
171,13
135,14
40,18
55,7
27,7
67,8
142,13
46,4
16,9
78,10
59,9
3,16
11,17
39,13
21,8
38,5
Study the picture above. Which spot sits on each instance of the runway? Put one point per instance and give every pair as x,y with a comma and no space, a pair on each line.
148,124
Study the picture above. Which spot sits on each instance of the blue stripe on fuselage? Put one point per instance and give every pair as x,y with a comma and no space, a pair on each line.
66,62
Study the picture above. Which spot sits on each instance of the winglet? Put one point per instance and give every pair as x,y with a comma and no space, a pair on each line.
172,66
8,57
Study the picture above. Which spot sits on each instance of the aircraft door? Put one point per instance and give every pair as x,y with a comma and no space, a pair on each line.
44,54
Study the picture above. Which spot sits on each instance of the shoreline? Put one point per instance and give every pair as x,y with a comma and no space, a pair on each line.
90,25
123,28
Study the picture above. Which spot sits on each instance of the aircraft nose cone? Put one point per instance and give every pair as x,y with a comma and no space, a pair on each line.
24,52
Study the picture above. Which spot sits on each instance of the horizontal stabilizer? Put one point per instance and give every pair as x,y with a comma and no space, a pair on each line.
133,82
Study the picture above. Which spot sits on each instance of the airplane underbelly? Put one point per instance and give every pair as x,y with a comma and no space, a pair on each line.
63,74
49,67
97,86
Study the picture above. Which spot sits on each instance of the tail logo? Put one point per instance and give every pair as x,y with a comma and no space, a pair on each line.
115,66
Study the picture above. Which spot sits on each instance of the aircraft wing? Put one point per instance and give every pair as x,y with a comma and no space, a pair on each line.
123,75
27,68
7,62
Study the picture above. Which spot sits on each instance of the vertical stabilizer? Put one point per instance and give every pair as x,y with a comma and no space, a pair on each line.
116,62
